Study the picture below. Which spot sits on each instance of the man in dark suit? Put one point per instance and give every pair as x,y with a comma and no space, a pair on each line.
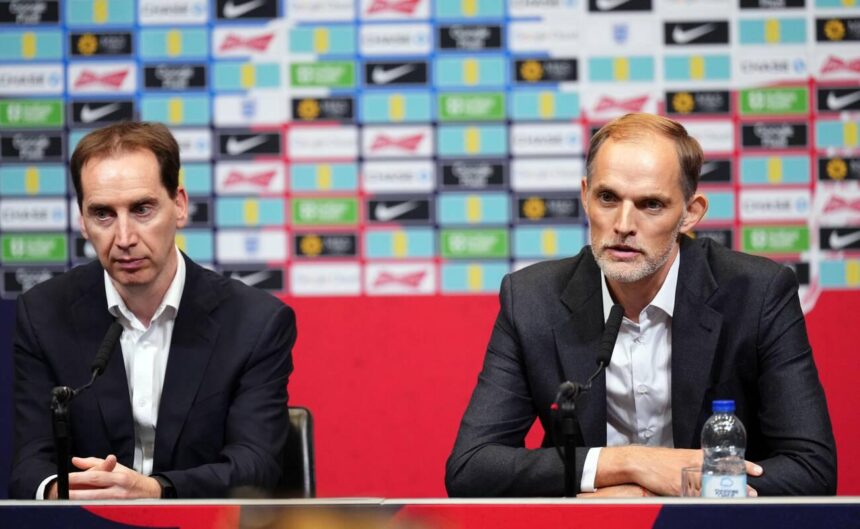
193,400
701,323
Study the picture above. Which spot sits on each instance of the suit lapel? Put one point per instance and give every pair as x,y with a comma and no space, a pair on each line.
576,341
194,335
92,319
695,332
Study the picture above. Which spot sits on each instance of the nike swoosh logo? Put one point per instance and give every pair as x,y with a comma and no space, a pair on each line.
233,10
707,168
89,114
236,146
607,5
385,213
251,279
382,76
683,36
837,242
835,102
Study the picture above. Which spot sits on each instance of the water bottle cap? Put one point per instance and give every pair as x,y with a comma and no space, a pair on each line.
723,406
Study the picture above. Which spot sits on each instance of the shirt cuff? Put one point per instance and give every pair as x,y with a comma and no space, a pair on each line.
589,470
40,492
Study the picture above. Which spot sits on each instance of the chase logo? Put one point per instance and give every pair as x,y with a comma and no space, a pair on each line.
621,69
837,29
95,112
323,109
697,67
396,107
465,174
186,43
770,135
99,12
100,44
545,70
246,9
698,102
171,76
29,12
470,37
325,245
838,169
463,209
547,208
323,40
696,33
42,44
176,110
471,71
773,31
407,210
247,144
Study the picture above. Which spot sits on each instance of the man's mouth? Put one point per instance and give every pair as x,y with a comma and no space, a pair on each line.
622,251
129,263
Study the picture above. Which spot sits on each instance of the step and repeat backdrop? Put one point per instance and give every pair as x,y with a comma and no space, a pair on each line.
339,150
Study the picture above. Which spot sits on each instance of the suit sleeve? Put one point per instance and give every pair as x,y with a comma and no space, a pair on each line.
489,456
793,414
257,420
34,443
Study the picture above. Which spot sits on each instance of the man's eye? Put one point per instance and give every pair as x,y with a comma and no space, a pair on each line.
654,204
604,196
143,210
101,214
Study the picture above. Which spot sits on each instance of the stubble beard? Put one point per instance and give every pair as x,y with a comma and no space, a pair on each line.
631,272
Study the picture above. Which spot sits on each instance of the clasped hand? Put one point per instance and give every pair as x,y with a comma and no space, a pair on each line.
104,479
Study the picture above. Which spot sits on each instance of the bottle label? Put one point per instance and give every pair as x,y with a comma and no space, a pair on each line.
723,486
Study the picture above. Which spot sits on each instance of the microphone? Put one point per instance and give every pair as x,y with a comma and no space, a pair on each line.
607,342
106,348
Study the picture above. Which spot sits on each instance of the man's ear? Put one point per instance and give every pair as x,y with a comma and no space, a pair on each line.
696,209
181,202
83,225
584,194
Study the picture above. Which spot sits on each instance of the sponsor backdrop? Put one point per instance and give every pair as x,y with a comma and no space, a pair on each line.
381,164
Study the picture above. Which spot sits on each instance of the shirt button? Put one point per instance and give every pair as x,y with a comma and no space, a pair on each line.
642,389
647,434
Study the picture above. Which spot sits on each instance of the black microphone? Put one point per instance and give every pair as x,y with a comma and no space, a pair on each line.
607,342
107,346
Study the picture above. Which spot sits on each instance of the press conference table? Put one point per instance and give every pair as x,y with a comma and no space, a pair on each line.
373,513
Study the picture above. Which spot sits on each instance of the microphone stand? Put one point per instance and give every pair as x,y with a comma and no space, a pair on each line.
570,432
61,396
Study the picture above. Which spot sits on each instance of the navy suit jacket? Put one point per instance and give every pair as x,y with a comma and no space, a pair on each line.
222,419
738,332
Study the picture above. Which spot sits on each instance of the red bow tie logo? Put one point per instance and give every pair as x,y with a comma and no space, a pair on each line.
410,280
398,6
630,105
114,80
839,203
260,43
408,143
259,180
835,64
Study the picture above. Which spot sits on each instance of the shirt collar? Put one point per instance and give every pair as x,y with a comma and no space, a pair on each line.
665,298
169,303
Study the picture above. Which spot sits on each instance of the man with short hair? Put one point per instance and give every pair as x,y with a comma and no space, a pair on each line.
701,322
193,400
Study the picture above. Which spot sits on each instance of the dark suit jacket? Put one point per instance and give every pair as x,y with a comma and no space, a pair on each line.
737,333
222,419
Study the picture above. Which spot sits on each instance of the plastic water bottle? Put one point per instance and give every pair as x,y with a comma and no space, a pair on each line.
724,440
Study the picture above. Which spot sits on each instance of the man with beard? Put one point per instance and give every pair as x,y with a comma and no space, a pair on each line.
701,322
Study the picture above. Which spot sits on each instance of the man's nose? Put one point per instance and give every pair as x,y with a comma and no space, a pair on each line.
625,219
126,234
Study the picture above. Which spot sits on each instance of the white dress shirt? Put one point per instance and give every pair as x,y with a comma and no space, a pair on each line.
144,351
639,377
